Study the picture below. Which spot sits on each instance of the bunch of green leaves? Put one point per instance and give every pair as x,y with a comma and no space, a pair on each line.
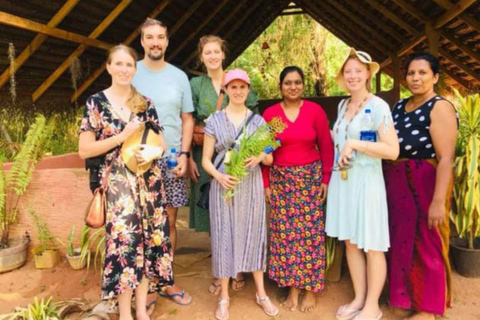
14,183
84,240
46,240
38,310
251,146
465,211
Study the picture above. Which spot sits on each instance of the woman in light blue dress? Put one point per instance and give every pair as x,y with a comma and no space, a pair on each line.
356,204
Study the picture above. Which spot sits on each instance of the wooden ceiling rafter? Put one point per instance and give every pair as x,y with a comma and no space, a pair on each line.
352,17
30,25
449,6
198,29
392,16
132,36
459,64
453,12
80,49
38,40
217,29
376,48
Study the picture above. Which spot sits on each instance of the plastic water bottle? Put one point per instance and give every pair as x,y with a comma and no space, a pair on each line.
172,162
368,131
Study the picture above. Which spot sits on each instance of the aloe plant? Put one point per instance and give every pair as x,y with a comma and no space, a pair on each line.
14,183
465,211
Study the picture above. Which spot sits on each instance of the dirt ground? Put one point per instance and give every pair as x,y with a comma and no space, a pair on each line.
192,273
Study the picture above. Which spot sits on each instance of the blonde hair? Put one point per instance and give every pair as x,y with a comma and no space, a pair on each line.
208,39
135,102
152,22
368,84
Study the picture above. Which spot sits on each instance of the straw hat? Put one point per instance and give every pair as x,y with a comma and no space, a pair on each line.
362,57
147,133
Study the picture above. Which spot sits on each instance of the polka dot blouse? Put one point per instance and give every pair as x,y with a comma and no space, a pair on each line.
413,129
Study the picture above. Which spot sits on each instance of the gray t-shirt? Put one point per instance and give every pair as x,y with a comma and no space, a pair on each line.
170,92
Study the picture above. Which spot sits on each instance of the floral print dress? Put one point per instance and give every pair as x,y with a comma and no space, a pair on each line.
137,233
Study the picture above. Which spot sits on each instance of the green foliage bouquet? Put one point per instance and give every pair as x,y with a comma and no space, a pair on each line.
252,146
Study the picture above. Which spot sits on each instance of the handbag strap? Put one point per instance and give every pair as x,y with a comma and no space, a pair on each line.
107,172
221,95
238,135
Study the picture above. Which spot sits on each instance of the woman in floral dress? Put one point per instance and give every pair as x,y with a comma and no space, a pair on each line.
138,250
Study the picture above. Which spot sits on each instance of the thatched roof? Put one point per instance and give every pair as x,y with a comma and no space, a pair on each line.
85,29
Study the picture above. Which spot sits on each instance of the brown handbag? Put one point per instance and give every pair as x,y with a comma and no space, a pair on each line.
198,133
97,208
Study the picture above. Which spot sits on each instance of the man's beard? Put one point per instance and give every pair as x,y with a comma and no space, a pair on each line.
155,57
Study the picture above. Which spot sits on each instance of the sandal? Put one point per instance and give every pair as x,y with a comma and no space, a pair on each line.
215,288
345,313
267,305
221,313
176,297
238,284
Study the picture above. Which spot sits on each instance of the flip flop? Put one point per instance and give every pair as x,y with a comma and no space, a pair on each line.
215,288
238,284
175,297
345,313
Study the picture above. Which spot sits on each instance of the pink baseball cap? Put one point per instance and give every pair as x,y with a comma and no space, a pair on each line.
236,74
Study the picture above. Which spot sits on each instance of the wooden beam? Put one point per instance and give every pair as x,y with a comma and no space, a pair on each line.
396,78
453,12
355,4
25,24
292,13
467,85
198,29
373,33
93,76
38,40
452,39
433,37
218,28
93,35
405,49
392,16
460,64
378,82
412,10
191,9
195,72
475,23
351,27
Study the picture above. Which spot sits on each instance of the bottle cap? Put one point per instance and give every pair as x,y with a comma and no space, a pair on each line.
368,111
173,150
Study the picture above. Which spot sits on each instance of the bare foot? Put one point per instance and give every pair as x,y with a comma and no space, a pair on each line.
178,295
309,302
292,300
421,316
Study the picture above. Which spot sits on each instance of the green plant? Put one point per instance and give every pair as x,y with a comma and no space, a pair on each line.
46,240
465,211
331,245
84,245
38,310
98,239
14,183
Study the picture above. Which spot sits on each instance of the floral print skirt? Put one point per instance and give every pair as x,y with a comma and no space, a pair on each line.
137,234
297,227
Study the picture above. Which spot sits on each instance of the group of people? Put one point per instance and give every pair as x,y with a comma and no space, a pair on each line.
386,195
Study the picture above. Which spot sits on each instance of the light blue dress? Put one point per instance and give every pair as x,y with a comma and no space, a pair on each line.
357,207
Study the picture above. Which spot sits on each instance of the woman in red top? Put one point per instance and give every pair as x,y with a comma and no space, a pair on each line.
296,187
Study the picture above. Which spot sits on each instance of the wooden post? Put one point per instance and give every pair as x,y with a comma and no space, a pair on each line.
396,77
433,35
378,82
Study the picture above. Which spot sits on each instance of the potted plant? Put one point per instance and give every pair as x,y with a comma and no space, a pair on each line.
78,257
46,254
334,257
13,184
465,212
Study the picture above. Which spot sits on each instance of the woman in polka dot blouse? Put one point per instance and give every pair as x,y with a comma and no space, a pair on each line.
418,191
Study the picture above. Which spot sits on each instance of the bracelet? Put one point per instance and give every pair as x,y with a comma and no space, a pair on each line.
116,140
268,150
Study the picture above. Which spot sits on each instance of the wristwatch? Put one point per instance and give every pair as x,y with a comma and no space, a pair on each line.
187,153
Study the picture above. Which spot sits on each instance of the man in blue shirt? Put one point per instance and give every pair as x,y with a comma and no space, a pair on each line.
169,89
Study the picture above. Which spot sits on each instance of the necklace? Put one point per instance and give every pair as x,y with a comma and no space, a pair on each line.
360,106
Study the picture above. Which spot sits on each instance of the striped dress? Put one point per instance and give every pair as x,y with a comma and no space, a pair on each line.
238,228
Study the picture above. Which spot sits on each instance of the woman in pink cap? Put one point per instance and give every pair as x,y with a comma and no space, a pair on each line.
238,227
